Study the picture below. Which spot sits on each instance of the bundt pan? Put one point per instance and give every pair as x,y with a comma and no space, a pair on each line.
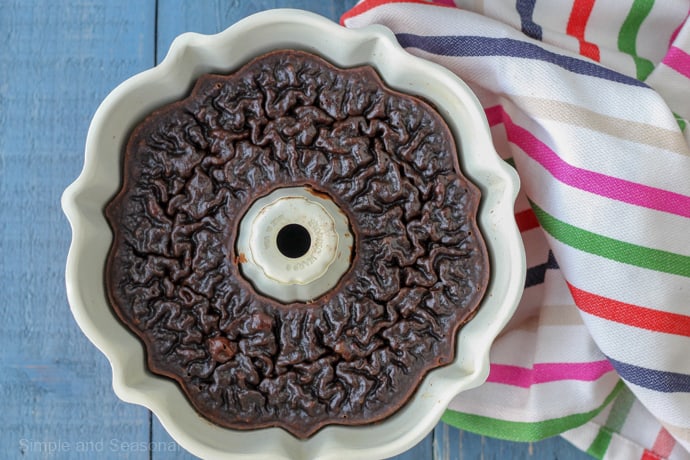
331,318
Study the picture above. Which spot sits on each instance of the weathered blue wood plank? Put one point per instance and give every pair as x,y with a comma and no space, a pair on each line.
178,16
57,62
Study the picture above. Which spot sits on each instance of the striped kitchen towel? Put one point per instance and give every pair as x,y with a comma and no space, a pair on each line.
589,100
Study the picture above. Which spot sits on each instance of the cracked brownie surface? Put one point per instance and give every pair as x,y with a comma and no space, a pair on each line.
354,355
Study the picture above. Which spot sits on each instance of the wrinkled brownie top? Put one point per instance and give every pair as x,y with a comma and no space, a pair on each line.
356,354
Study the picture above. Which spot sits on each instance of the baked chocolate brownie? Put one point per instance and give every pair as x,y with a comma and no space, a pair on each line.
354,355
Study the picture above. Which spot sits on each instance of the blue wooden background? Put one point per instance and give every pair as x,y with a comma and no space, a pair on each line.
58,60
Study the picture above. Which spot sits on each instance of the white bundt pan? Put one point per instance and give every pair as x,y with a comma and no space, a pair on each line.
192,55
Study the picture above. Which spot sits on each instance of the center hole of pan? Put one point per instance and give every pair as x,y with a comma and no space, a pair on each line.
293,241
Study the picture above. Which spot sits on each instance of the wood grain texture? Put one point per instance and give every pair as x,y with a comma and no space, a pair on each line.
59,60
212,16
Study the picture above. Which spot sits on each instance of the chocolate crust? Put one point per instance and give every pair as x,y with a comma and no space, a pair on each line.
356,354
